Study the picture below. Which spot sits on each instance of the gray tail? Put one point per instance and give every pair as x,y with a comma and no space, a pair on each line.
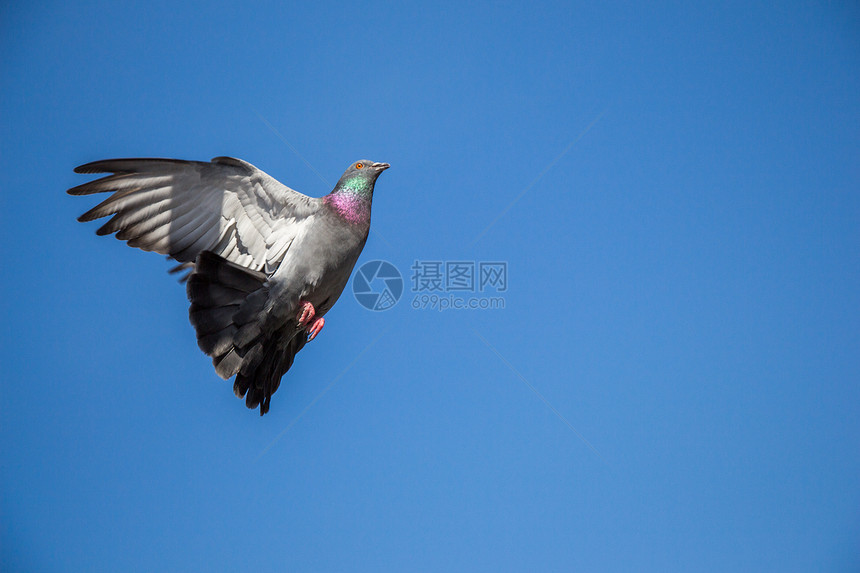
228,312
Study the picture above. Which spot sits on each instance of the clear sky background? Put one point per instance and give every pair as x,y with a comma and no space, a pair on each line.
684,290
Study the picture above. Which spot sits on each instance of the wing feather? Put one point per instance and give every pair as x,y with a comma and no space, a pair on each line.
181,208
132,217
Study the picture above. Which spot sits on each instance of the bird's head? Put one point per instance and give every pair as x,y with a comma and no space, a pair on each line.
361,176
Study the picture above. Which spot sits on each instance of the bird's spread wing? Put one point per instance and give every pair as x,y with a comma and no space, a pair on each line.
181,208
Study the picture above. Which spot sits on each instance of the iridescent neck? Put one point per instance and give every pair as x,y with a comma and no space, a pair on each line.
350,202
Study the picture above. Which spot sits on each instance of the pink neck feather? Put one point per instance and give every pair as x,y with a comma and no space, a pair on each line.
350,206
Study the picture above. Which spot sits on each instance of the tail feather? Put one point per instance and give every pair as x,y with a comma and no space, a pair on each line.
213,319
276,358
228,312
218,343
227,363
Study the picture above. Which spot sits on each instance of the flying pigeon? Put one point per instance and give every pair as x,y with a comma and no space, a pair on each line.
266,262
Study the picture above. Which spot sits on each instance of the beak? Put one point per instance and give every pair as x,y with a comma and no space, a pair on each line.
380,166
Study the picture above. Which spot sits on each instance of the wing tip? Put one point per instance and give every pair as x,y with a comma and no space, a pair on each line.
233,162
127,164
93,167
78,190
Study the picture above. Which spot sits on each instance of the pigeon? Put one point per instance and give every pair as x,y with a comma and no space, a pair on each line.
265,262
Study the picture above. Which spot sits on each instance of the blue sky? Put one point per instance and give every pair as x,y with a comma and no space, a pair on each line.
672,384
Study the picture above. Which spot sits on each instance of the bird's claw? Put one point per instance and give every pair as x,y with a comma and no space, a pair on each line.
315,328
306,313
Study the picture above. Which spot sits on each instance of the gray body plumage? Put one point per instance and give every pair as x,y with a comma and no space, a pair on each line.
255,249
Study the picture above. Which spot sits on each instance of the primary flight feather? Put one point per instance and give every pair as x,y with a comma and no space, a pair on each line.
266,262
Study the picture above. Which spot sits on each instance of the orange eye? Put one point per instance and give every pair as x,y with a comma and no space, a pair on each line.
359,165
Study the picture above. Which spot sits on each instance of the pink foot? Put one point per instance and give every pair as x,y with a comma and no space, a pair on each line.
306,312
315,328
